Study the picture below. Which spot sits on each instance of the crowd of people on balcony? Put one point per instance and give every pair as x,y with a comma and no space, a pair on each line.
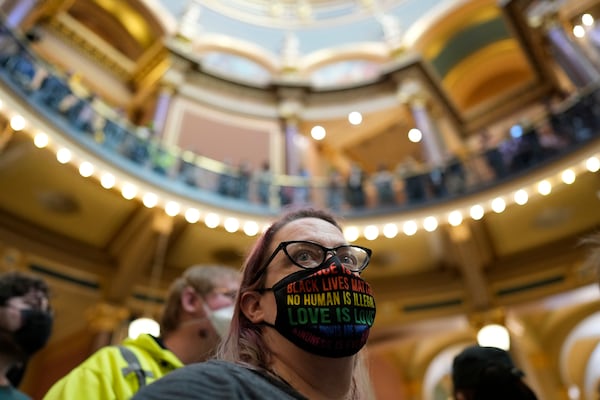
409,183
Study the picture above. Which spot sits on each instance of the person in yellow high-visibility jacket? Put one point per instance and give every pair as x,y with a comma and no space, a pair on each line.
196,315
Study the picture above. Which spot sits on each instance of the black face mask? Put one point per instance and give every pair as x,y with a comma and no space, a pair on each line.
35,330
326,311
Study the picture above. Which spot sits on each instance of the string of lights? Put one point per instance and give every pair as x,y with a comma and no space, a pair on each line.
495,200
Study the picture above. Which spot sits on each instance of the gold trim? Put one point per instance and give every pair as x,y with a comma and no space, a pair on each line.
52,8
151,66
68,28
433,49
467,65
133,22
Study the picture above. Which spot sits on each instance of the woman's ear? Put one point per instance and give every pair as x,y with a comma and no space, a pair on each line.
251,307
190,300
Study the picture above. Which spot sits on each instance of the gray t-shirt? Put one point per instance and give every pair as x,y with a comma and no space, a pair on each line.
213,380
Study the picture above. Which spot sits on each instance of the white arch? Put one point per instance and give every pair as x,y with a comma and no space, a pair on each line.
162,15
591,385
439,368
588,328
429,19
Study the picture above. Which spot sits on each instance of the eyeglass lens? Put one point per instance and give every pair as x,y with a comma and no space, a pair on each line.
311,255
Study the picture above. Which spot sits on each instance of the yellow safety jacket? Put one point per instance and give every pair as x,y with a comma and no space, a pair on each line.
116,372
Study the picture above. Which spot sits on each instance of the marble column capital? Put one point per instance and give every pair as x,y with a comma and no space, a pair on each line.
290,109
545,15
412,92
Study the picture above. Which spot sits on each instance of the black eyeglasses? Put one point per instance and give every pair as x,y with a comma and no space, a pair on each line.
311,255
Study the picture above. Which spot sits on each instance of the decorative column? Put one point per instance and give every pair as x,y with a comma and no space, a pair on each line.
161,110
434,147
470,246
588,42
290,103
568,54
26,13
165,92
571,58
592,38
292,156
289,110
19,12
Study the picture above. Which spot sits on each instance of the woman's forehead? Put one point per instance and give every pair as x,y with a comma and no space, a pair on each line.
311,229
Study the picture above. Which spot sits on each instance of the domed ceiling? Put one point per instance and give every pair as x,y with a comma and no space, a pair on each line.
330,44
475,60
337,43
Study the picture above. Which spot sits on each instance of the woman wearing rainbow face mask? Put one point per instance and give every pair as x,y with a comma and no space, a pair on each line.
302,316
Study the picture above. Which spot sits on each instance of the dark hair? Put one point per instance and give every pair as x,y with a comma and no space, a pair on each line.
488,373
498,383
16,284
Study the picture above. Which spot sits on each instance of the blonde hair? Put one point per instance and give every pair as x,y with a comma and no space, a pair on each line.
203,279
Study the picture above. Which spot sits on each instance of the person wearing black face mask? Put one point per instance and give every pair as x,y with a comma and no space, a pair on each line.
301,320
25,325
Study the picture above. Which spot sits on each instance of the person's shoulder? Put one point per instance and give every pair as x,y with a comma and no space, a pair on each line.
212,367
101,359
206,368
205,380
18,395
212,380
12,393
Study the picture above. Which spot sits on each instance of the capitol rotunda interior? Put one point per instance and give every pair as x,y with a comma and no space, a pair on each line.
140,137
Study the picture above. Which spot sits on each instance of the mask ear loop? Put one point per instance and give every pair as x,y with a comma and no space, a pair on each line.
268,324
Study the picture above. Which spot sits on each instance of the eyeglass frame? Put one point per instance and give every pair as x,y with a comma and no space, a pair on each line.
326,250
